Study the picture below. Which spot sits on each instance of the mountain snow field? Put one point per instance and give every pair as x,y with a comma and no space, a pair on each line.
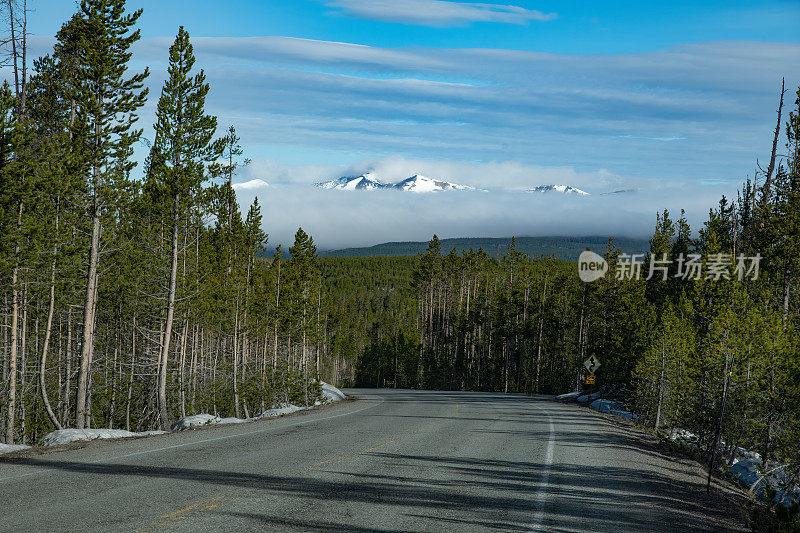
370,181
564,189
418,183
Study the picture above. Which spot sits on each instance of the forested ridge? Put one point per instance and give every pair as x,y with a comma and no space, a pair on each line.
134,295
566,248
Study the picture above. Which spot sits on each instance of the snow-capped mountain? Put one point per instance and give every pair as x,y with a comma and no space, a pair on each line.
564,189
419,183
369,181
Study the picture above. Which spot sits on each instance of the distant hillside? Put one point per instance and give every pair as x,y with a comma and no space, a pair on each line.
567,248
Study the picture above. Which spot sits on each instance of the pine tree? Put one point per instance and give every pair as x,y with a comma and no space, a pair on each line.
301,273
107,102
183,146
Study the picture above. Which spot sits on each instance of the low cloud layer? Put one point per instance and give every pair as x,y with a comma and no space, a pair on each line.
338,219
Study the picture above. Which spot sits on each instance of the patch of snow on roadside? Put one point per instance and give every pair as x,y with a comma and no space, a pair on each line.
331,393
151,433
586,397
233,420
65,436
569,395
605,406
8,448
747,468
283,409
625,414
206,419
747,472
684,437
202,419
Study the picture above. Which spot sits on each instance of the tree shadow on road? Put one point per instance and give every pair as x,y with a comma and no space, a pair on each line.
457,493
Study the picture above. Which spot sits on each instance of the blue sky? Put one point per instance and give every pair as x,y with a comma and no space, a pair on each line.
581,27
673,99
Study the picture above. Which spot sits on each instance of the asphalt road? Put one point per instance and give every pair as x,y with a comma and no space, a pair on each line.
392,460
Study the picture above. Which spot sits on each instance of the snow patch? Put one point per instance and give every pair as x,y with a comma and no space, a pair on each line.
65,436
331,393
586,397
747,469
605,406
203,419
364,182
369,181
422,184
233,420
569,395
9,448
283,409
612,407
564,189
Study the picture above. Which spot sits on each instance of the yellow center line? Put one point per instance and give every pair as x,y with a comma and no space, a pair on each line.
190,507
179,514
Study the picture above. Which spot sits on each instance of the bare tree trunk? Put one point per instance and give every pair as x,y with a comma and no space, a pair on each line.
47,334
163,414
130,377
765,190
196,348
23,363
12,361
67,371
113,407
87,348
236,358
182,372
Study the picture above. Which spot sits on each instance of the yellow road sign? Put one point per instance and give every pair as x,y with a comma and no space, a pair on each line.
590,379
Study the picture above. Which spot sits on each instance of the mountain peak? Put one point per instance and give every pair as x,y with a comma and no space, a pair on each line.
564,189
369,181
419,183
366,181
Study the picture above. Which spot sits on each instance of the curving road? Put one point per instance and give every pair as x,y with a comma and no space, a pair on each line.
393,460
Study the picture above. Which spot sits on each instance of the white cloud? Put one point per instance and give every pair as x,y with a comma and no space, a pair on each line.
252,185
694,112
437,12
274,49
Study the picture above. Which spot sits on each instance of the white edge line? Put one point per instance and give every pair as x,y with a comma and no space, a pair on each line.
541,494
